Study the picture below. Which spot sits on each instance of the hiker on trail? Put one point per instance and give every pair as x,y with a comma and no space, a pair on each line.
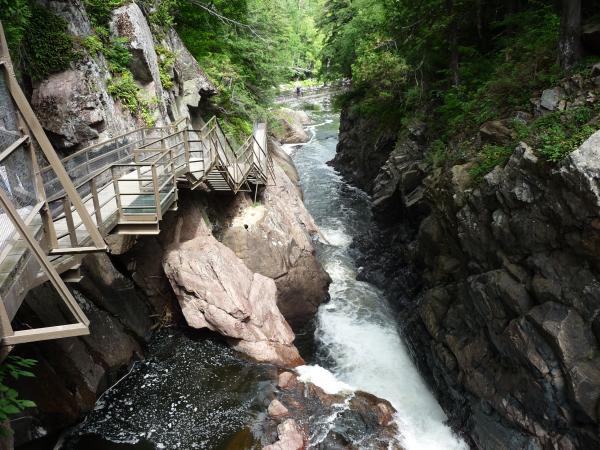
298,91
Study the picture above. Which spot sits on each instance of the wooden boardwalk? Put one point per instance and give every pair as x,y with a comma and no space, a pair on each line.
55,211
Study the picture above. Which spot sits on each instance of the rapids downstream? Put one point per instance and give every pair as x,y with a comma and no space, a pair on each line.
193,392
357,335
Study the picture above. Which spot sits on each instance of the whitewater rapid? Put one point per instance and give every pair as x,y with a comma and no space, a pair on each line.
357,333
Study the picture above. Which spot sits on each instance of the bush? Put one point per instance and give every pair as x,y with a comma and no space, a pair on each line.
118,55
10,403
100,11
490,157
47,46
166,61
558,134
93,44
124,88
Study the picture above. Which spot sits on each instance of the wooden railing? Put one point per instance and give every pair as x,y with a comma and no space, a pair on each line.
53,211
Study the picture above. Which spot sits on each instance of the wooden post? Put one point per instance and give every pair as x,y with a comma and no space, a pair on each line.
96,201
70,222
117,194
156,192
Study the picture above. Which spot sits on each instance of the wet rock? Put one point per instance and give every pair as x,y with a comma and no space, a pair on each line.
274,238
276,410
290,437
361,153
286,380
351,420
292,124
217,291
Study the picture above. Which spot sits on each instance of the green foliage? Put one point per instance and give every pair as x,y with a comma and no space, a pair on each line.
261,45
553,136
166,61
490,157
162,15
437,155
118,55
124,88
10,403
558,134
93,44
47,47
15,16
100,11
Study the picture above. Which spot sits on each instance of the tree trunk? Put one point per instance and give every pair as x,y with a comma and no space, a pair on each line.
569,45
453,40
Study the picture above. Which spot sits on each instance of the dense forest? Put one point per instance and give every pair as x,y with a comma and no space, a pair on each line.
453,63
457,64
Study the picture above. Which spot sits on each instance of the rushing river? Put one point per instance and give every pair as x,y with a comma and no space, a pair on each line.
357,336
193,392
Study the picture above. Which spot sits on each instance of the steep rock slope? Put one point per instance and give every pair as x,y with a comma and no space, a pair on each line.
498,288
126,295
274,238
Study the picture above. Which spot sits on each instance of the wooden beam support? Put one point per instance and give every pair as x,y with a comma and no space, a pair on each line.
46,333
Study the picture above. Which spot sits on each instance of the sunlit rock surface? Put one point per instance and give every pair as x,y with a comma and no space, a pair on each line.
274,238
217,291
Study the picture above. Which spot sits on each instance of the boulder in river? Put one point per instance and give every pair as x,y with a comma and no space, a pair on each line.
274,238
217,291
292,126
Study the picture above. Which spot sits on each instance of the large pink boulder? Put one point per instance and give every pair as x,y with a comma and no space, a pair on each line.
217,291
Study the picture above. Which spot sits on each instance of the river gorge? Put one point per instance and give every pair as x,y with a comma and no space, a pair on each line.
193,392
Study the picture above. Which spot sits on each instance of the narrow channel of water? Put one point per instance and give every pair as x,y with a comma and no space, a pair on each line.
357,336
193,392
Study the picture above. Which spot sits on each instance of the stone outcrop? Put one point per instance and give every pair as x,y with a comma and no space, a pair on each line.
292,126
498,284
274,238
347,420
217,291
360,152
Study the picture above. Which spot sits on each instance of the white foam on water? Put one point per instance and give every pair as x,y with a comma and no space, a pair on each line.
336,237
323,378
361,335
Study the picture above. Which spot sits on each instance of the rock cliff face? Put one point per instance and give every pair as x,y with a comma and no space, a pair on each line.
274,238
75,107
129,294
498,288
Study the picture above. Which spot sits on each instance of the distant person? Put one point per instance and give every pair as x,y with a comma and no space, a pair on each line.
298,91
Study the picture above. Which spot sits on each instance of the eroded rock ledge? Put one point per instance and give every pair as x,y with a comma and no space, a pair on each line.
503,315
302,412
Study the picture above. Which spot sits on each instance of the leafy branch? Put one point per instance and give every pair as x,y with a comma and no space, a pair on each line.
10,403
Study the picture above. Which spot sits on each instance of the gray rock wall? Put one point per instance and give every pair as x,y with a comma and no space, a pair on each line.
498,289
